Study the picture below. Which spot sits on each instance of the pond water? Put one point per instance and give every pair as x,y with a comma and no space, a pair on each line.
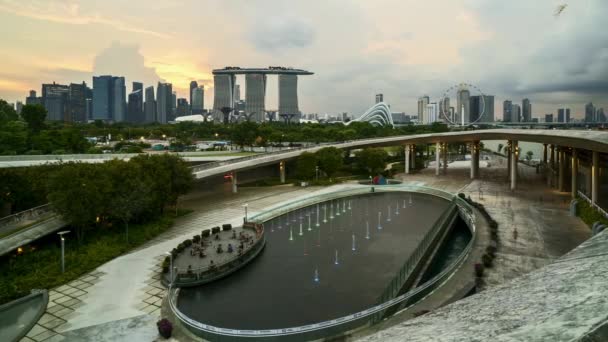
311,274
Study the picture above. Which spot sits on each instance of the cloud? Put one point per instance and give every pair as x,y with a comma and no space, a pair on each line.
124,60
69,13
275,35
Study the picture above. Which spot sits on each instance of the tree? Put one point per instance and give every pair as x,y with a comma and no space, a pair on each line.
7,112
13,138
34,115
500,146
372,159
330,160
306,165
529,155
244,133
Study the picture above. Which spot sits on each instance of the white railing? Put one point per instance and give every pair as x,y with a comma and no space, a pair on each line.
593,205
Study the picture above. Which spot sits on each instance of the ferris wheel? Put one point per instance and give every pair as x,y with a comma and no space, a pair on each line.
470,104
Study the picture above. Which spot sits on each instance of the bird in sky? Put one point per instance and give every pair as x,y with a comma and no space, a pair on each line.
560,9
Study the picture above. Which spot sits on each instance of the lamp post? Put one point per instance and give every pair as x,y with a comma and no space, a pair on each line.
62,249
170,268
245,206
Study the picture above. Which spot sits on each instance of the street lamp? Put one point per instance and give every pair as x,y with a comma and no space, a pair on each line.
245,206
62,249
164,137
170,268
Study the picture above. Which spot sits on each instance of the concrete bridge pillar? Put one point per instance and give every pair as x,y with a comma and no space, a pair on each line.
437,153
234,183
445,158
574,173
595,168
514,158
282,171
562,169
413,156
544,154
552,158
475,160
407,159
508,154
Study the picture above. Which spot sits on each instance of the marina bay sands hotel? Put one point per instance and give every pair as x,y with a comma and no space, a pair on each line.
255,91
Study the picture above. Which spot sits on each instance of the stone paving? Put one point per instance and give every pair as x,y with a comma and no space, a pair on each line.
129,286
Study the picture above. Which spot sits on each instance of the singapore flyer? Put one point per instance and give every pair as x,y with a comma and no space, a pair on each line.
462,104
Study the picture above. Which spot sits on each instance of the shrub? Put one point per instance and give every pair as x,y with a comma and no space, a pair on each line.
196,238
462,195
491,250
215,230
487,260
479,270
165,328
205,233
226,226
187,243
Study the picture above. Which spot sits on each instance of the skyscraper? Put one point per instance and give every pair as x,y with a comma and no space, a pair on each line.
198,100
237,93
109,98
150,106
549,118
526,108
288,96
482,108
171,117
223,95
507,111
182,107
567,114
164,99
444,110
432,113
255,96
601,116
134,107
463,108
193,85
561,115
55,101
589,112
18,107
379,98
422,103
77,102
515,113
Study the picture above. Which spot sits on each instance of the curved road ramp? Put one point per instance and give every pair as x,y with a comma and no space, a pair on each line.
564,301
18,317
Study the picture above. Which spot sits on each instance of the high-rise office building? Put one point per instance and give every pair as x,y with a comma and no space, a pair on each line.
33,99
526,108
482,108
422,103
135,107
198,100
432,113
150,106
463,107
379,98
193,85
55,100
515,113
173,107
255,96
164,99
182,107
77,106
563,115
507,111
444,110
109,98
288,95
589,112
567,114
18,107
601,116
548,118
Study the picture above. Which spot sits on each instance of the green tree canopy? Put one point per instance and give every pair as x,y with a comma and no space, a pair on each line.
330,160
372,159
306,165
34,115
244,133
7,112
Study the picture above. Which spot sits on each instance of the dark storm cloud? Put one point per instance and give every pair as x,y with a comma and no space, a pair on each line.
282,34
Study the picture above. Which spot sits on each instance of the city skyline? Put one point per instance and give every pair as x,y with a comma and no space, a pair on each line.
397,57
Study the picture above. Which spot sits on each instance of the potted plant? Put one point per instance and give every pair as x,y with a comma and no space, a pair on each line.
165,328
479,270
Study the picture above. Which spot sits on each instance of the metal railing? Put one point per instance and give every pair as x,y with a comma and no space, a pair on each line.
16,221
343,324
593,205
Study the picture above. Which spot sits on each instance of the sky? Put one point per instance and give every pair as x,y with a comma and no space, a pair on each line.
402,48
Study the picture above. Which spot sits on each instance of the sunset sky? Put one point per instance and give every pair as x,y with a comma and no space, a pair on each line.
403,48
